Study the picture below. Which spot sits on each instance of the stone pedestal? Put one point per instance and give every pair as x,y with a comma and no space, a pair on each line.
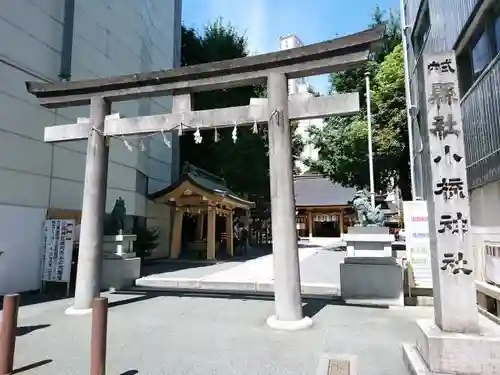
120,266
369,273
439,352
120,245
372,281
368,242
120,273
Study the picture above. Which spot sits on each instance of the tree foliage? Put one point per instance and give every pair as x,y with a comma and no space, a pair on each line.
244,164
343,141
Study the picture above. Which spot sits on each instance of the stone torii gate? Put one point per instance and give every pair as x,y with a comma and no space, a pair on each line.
347,52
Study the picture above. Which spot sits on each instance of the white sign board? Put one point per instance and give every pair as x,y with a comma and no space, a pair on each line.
58,241
418,248
21,241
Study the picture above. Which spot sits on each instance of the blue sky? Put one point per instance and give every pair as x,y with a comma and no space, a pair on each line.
264,21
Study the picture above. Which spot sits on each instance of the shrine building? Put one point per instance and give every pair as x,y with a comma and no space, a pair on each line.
204,209
323,208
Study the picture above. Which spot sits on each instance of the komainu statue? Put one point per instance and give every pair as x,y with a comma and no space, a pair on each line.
366,215
114,223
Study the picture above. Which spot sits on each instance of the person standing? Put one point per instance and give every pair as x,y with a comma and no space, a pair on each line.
243,239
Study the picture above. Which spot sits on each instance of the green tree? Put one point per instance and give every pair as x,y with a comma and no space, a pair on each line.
297,146
389,101
343,141
244,164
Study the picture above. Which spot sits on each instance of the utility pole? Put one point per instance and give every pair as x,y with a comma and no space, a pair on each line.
370,150
404,29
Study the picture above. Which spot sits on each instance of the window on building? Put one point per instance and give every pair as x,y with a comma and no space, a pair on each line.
497,30
142,183
417,139
422,28
480,55
482,48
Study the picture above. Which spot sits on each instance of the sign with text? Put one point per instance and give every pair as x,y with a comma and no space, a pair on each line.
58,241
417,242
447,196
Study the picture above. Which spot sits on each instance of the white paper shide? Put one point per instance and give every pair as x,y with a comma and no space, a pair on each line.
58,240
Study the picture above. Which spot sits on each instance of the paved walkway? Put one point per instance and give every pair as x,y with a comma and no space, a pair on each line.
319,269
181,335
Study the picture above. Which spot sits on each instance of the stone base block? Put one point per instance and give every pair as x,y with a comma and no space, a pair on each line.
367,230
295,325
438,352
72,311
120,244
120,273
167,283
228,286
368,242
375,281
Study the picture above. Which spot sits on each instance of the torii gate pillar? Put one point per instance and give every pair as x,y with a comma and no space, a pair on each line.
88,276
288,302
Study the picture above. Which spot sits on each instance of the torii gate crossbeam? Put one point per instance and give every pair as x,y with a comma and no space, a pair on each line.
274,69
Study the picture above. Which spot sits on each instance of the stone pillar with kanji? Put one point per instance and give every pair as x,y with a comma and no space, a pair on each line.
448,200
458,340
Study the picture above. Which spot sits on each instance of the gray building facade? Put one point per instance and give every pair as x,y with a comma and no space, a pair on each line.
472,29
54,40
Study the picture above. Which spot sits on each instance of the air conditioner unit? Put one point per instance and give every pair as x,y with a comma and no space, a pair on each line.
492,262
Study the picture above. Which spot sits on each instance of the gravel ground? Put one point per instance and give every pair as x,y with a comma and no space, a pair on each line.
165,334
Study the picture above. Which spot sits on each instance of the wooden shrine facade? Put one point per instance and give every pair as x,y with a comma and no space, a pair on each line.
324,221
323,208
201,198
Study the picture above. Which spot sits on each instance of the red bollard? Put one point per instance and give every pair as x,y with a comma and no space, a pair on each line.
99,336
8,333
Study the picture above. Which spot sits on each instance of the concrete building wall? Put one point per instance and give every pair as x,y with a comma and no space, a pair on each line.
447,19
456,24
287,42
110,37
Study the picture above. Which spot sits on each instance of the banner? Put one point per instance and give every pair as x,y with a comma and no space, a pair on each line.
417,242
58,241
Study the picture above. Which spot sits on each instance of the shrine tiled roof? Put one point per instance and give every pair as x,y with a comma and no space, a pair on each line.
204,180
315,190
